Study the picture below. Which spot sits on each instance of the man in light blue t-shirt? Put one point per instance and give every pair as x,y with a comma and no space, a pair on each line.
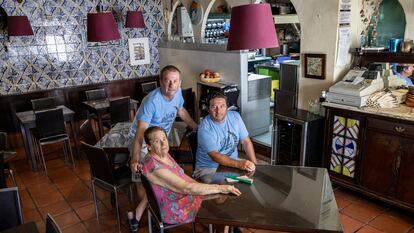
218,137
158,108
404,72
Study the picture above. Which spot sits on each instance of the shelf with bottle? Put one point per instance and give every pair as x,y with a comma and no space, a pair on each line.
286,19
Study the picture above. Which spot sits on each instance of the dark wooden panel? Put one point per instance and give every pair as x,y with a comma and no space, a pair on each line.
378,162
397,128
72,97
405,189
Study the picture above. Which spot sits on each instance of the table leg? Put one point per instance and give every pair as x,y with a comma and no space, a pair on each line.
28,146
101,134
75,137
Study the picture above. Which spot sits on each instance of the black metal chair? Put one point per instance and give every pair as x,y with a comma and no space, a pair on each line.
154,212
186,156
104,176
11,210
51,225
43,103
193,141
96,94
51,127
119,110
145,88
5,157
87,133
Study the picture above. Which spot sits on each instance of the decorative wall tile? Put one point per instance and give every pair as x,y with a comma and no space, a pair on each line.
58,54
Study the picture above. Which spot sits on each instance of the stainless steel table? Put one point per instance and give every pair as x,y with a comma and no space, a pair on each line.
281,198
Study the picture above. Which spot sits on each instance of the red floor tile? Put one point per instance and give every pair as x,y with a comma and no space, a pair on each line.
363,212
77,228
55,209
392,222
67,219
349,224
369,229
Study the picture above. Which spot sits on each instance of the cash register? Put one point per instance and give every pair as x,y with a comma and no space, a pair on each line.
355,87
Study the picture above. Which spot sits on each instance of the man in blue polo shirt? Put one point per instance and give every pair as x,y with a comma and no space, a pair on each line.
158,108
218,137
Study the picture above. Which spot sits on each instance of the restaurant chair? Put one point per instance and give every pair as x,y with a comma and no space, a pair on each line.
181,154
11,210
97,94
51,129
87,133
193,141
51,225
43,103
119,110
145,88
5,157
154,212
189,102
104,176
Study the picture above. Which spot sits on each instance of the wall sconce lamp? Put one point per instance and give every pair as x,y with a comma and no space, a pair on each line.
101,27
134,19
252,27
19,26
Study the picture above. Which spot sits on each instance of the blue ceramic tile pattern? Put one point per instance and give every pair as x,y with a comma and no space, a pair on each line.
58,55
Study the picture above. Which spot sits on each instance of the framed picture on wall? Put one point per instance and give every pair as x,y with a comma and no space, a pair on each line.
315,65
139,51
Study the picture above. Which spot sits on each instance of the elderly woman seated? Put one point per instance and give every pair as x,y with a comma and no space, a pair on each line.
178,195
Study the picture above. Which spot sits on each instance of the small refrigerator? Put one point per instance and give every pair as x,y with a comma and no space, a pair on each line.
297,139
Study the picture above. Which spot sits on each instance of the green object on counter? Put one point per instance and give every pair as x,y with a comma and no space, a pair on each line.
246,181
391,22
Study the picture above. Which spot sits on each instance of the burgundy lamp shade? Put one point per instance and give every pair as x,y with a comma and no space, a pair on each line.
252,27
102,27
134,19
19,26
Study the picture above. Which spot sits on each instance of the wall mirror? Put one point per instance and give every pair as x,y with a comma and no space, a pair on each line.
196,12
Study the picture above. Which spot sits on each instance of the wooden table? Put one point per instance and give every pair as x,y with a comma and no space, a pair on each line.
29,227
27,120
281,198
101,107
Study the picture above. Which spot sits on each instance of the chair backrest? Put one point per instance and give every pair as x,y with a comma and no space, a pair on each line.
3,141
193,141
119,110
96,94
99,163
50,123
3,183
51,225
43,103
148,87
11,211
152,200
87,133
189,101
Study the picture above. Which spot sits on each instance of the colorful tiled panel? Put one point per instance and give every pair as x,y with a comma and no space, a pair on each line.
58,55
344,145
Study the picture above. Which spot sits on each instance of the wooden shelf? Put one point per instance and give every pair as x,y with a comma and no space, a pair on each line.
286,19
364,58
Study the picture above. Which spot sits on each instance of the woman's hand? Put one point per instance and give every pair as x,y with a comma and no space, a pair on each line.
135,165
226,189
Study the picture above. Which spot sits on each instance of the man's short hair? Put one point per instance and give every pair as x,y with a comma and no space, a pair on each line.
148,133
216,95
166,69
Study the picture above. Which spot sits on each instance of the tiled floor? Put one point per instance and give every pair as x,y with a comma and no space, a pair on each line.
66,194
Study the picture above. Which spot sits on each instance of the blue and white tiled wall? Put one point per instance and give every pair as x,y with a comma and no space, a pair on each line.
58,54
